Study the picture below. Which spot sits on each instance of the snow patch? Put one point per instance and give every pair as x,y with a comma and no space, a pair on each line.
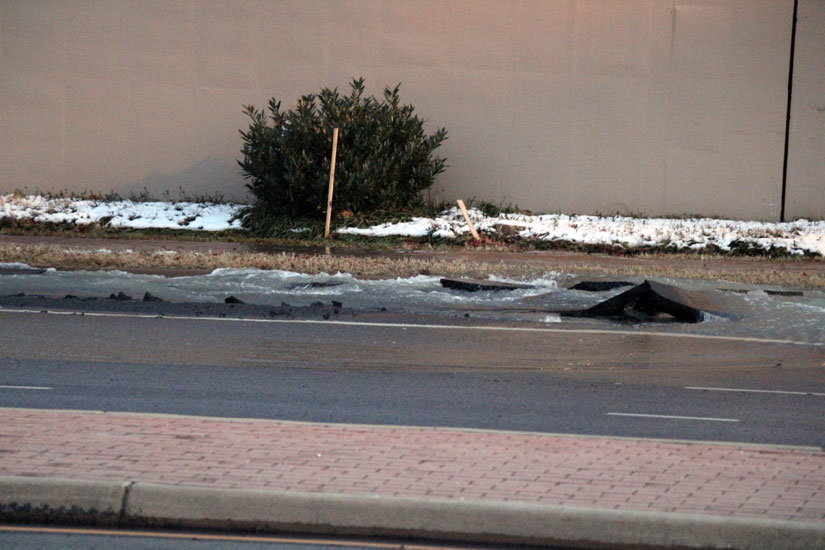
125,214
797,237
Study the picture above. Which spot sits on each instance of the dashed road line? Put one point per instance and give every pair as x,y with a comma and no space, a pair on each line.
746,390
673,417
44,388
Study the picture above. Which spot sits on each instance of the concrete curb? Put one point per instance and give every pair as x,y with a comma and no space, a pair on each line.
66,500
141,504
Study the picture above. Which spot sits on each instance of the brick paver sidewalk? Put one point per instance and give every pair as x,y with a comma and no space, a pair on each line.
596,472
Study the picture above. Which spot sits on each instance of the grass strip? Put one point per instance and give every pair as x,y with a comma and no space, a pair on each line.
757,271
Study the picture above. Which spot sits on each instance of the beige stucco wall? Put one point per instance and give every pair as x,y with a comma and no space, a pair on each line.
806,153
652,106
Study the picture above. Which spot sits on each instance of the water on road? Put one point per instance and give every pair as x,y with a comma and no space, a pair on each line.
749,310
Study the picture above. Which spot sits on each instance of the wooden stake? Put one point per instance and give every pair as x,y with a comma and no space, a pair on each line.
467,217
331,180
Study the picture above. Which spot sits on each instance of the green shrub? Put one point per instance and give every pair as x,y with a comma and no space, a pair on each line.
384,159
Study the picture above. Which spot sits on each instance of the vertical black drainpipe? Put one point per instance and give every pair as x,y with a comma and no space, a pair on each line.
788,114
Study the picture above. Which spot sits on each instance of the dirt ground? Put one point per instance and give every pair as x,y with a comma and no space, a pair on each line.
176,257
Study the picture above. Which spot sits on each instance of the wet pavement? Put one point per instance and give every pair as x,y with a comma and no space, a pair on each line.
737,310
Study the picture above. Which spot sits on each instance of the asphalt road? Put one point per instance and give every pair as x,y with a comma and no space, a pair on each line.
58,538
582,381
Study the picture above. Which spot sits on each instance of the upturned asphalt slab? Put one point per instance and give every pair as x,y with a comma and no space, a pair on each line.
446,484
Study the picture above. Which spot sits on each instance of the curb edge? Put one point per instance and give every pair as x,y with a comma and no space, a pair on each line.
145,504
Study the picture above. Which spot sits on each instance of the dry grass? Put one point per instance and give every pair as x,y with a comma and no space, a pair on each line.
735,274
758,271
362,267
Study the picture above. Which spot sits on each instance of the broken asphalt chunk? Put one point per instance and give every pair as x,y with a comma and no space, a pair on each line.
474,285
651,301
784,292
21,271
599,286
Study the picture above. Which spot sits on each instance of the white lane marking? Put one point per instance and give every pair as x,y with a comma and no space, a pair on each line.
745,390
671,417
426,326
25,388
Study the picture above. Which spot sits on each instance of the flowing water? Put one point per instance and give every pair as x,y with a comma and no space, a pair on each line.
750,312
